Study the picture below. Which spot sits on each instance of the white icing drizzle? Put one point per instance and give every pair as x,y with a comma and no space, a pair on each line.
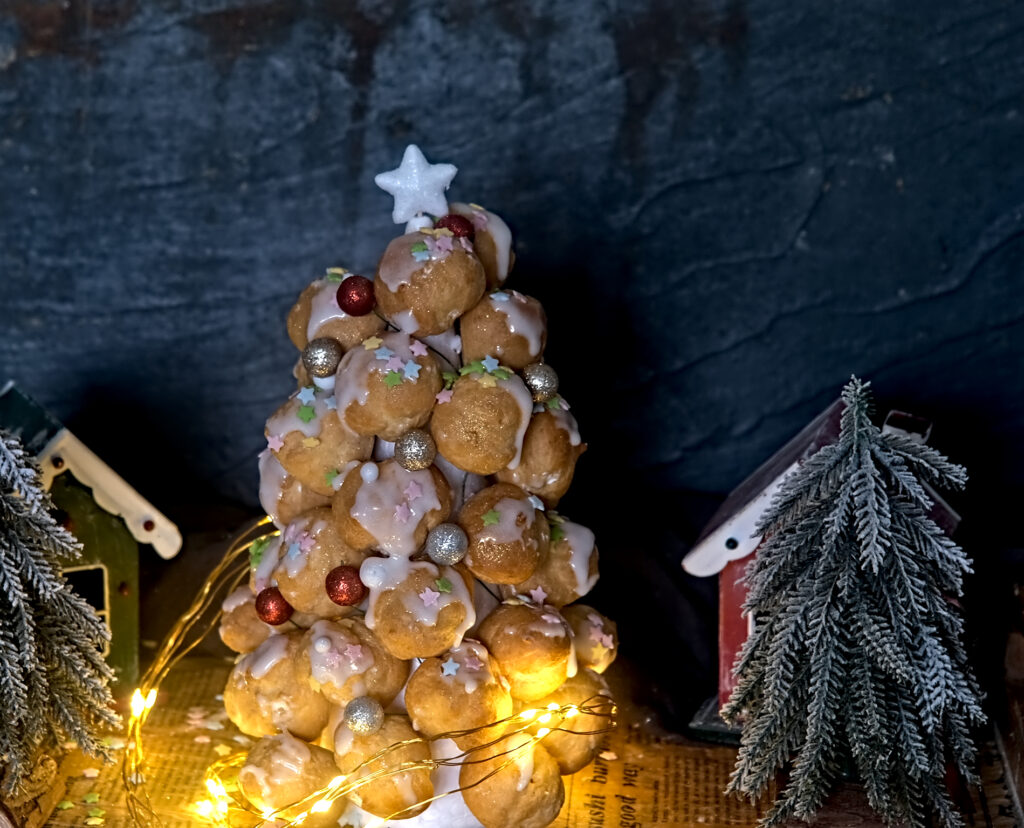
262,660
398,264
343,473
549,623
343,738
324,307
471,679
508,528
520,751
521,394
565,421
288,761
379,499
236,599
359,364
272,480
286,419
498,230
581,545
405,321
448,344
523,318
336,657
262,575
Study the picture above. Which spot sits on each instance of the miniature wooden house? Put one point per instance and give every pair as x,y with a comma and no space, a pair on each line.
729,540
108,517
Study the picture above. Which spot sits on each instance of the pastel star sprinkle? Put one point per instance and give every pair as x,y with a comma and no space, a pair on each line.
332,403
306,541
607,642
221,750
413,490
490,363
418,348
307,395
202,739
275,442
311,442
403,513
384,353
492,517
306,413
412,370
478,217
94,821
538,595
97,812
330,477
421,255
294,551
443,585
429,597
373,343
487,381
536,502
392,378
335,274
450,667
499,296
473,663
443,397
417,185
354,652
395,363
440,246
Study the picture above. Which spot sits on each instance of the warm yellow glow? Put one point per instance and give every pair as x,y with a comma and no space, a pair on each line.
321,806
546,718
571,711
300,818
544,731
150,699
138,703
529,715
203,808
338,781
215,787
553,706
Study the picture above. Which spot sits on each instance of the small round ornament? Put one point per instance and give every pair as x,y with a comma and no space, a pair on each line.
344,587
415,450
321,356
272,608
459,225
542,381
355,296
364,715
446,544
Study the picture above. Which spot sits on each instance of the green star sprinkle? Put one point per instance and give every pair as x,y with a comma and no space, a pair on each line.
501,373
256,551
97,812
306,413
330,476
449,378
472,368
557,533
555,404
335,274
92,798
492,517
392,379
64,804
418,247
443,585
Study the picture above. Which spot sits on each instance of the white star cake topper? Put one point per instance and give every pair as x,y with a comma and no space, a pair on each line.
417,185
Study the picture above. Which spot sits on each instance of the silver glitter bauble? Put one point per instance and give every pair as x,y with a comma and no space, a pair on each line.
415,450
321,356
364,715
446,544
542,381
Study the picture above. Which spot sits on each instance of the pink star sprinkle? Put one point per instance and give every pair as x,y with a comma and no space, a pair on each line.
403,513
429,597
596,633
538,595
413,490
440,246
291,533
275,442
551,619
444,396
418,348
354,652
473,663
332,658
394,364
306,541
607,642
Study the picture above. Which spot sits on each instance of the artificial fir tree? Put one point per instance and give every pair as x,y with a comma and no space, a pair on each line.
855,660
53,679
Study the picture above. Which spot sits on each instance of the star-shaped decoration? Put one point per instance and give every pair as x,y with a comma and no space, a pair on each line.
538,595
596,632
499,296
439,246
421,255
384,353
275,442
413,490
492,517
473,663
487,380
536,503
311,442
354,652
307,395
392,378
395,363
417,185
443,397
490,363
443,585
306,541
411,370
373,343
306,413
418,348
403,513
332,403
450,667
429,597
607,642
294,550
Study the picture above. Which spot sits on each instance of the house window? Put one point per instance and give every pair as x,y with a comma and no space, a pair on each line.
93,584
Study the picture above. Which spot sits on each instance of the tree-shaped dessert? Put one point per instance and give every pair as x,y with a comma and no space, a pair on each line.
54,683
855,660
421,592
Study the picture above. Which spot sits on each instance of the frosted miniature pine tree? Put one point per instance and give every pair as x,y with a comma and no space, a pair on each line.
53,679
856,659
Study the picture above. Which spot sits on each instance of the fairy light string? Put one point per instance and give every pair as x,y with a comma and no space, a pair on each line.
224,801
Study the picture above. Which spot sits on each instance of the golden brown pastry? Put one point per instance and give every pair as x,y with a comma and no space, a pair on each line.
282,496
492,241
317,314
596,637
508,325
551,448
568,571
240,627
574,742
508,537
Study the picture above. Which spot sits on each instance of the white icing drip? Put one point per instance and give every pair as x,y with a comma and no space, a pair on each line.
379,499
255,775
498,231
405,321
565,421
343,738
262,574
324,307
343,473
262,660
403,782
581,545
524,319
573,666
239,597
549,623
272,480
333,664
508,528
521,394
448,344
324,383
520,749
287,420
398,266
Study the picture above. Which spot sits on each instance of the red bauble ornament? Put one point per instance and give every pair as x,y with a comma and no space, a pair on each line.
355,296
272,608
344,587
459,225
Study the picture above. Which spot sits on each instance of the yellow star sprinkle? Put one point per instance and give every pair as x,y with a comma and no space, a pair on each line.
311,442
436,231
373,343
222,750
487,381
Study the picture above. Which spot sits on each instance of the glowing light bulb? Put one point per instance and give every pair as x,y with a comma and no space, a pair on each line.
215,787
545,718
150,698
138,703
321,806
203,808
544,731
529,715
553,706
571,712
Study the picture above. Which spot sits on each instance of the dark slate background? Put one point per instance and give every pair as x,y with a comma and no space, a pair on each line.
726,206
